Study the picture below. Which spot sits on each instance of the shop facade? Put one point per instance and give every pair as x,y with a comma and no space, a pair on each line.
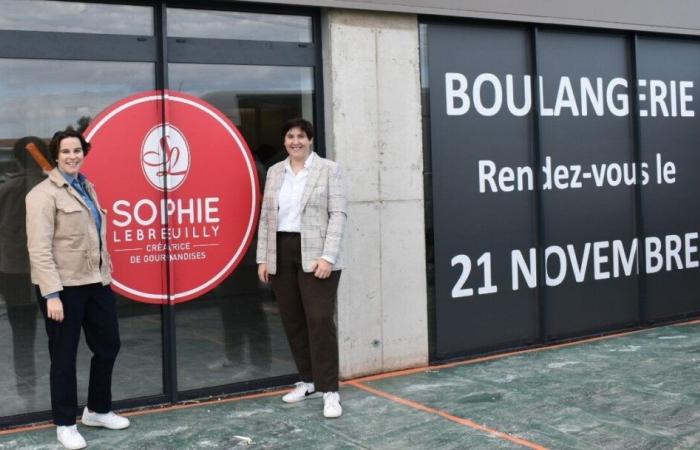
429,115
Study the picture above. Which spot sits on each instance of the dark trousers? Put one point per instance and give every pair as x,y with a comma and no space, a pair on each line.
93,308
307,307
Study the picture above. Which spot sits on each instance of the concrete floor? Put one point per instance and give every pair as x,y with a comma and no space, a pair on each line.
635,391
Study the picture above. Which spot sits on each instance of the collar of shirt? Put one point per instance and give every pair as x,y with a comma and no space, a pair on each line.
307,164
80,178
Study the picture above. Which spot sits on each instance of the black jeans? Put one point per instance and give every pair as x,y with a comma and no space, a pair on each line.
91,307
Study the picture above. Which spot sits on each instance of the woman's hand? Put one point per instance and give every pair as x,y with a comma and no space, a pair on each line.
262,273
321,268
54,309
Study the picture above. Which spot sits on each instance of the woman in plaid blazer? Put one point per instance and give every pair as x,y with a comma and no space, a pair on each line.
300,233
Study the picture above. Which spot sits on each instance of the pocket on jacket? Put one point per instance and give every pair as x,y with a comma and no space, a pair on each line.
70,218
68,206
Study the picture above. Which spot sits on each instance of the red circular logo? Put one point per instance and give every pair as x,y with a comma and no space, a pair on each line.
180,189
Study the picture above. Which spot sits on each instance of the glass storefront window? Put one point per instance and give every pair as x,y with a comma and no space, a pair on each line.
234,332
238,25
39,97
75,17
257,99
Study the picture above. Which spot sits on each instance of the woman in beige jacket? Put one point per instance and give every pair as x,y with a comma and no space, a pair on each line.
66,239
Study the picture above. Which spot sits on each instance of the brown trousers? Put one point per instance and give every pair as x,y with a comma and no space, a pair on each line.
307,307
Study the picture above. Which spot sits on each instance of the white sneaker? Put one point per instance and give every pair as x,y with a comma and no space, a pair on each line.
70,437
108,420
301,391
331,405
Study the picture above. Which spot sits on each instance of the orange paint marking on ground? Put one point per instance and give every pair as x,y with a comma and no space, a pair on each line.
394,374
141,412
33,427
692,322
195,404
448,416
400,373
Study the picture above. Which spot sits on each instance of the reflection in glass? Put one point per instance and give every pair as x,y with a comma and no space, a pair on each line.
257,99
234,332
238,25
75,17
16,293
40,97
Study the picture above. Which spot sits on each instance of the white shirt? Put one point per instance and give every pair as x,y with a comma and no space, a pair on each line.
289,212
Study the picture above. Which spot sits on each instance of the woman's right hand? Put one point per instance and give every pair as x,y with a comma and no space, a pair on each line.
262,273
54,309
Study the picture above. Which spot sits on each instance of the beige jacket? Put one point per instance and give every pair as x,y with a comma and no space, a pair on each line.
64,249
323,215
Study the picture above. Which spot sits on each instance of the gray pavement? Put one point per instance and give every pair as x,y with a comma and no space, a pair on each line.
639,390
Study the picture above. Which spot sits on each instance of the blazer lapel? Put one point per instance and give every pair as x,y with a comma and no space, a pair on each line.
314,174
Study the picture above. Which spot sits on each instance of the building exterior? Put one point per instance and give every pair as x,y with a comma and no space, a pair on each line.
518,173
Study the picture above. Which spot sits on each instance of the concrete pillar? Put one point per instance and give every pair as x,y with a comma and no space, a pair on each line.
373,129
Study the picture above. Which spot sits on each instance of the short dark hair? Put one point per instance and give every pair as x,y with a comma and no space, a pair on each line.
69,132
304,124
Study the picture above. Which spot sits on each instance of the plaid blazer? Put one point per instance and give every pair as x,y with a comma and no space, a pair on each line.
323,215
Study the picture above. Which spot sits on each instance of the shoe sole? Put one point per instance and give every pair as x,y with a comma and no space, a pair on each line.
73,447
306,397
99,424
330,416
